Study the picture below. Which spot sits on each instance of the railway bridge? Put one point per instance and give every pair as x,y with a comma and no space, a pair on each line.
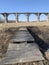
27,22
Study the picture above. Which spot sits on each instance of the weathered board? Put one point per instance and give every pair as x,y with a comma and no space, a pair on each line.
21,53
21,36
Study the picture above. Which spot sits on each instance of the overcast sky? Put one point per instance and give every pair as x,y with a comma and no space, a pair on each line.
24,5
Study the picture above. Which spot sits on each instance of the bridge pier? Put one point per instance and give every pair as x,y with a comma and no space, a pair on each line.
27,17
47,15
5,17
38,17
17,19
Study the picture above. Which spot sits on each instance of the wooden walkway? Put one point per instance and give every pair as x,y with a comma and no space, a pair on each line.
22,52
22,36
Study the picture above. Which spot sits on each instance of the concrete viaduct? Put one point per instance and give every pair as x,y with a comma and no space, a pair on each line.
27,22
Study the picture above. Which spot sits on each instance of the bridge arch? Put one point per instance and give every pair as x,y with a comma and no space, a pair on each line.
42,17
32,18
22,18
11,18
1,18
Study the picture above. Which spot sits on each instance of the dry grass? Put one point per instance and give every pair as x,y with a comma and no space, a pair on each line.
42,32
5,36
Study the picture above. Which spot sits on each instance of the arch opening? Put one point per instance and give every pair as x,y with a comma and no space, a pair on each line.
42,17
11,18
32,18
22,18
1,18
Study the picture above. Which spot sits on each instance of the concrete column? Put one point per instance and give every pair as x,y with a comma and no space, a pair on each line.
27,17
38,17
5,17
17,19
47,15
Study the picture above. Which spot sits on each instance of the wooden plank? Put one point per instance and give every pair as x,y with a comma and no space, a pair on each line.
13,46
23,28
29,53
22,36
21,32
22,39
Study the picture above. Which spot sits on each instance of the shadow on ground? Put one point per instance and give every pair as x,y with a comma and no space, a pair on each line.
43,46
